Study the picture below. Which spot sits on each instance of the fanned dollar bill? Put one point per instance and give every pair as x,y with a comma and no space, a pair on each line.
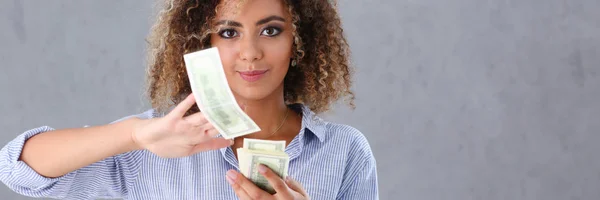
269,153
213,94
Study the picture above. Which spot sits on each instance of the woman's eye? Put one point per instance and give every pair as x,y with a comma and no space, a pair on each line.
271,31
228,33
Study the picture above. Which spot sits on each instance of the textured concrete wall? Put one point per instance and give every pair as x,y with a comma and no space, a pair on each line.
460,100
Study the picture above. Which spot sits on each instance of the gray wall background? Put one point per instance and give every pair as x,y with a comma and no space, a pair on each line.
460,100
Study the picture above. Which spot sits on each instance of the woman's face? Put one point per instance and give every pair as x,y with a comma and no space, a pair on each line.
255,44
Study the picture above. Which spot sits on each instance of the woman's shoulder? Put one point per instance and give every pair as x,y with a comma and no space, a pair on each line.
340,132
351,142
334,132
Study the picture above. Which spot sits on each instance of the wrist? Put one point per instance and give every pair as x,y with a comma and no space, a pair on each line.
133,125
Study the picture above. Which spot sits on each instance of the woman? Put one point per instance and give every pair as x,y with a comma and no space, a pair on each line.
285,61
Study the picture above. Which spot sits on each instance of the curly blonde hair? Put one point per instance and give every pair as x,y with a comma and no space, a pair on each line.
321,76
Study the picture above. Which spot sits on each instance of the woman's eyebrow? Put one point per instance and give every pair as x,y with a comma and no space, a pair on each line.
270,18
260,22
229,23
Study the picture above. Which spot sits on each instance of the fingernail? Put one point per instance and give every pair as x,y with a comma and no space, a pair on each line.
229,180
262,169
231,175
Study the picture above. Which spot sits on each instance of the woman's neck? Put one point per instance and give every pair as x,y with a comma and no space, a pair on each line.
268,113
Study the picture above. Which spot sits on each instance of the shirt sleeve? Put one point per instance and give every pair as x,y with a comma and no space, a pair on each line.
108,178
360,177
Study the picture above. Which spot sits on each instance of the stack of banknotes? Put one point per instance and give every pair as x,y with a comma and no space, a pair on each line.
213,95
269,153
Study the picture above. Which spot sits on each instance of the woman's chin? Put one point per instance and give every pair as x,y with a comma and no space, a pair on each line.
251,95
256,92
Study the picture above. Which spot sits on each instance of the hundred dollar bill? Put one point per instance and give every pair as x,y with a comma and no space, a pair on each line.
269,153
267,145
213,95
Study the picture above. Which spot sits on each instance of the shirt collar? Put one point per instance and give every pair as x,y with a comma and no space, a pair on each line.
311,123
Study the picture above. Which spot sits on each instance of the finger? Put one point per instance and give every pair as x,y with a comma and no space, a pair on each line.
251,189
231,176
294,185
212,144
274,179
196,119
211,131
184,106
200,134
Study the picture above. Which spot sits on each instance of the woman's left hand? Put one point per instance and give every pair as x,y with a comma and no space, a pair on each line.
285,190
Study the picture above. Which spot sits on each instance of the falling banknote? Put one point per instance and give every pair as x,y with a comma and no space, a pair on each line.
269,153
213,95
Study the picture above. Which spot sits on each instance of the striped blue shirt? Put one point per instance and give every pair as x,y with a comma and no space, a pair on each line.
331,161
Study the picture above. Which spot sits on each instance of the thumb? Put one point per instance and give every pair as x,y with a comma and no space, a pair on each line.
212,144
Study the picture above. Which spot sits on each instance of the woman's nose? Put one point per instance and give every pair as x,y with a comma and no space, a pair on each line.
250,50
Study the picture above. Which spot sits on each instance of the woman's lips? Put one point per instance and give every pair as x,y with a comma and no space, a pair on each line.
253,75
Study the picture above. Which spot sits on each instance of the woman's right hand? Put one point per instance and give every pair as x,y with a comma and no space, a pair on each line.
174,135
